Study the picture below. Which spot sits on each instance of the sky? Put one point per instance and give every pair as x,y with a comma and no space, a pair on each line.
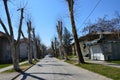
46,13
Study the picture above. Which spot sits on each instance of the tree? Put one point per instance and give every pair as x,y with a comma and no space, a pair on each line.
29,42
38,42
103,25
34,44
53,48
60,33
43,50
13,43
70,6
67,38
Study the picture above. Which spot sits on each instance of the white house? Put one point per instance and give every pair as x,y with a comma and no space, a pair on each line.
106,47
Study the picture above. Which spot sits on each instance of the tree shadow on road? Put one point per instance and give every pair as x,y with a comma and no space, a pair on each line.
25,75
64,74
41,65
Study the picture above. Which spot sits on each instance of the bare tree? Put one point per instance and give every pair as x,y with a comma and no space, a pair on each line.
71,5
53,48
29,42
38,42
35,44
13,43
67,39
60,35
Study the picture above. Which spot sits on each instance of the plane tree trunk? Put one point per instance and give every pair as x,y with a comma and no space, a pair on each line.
70,6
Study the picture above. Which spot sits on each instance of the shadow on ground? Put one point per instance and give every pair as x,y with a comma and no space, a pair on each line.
41,65
25,75
64,74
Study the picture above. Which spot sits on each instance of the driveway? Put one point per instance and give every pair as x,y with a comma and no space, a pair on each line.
54,69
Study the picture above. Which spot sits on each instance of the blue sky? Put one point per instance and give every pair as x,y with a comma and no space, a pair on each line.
45,14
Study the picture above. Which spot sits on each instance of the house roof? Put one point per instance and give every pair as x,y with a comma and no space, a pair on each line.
3,35
94,36
100,37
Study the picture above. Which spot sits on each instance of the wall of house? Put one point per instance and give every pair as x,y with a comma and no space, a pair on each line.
23,50
84,49
115,55
96,52
107,50
5,53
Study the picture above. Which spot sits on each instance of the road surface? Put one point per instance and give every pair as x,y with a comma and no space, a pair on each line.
54,69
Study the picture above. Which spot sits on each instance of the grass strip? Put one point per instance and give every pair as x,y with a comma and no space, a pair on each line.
4,65
110,72
117,62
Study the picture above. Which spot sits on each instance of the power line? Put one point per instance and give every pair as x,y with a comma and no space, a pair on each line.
90,14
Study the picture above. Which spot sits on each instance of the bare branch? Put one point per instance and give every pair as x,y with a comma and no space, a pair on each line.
4,27
20,24
8,17
22,34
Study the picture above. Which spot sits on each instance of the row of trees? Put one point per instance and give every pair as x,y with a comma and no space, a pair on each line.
61,45
14,44
65,39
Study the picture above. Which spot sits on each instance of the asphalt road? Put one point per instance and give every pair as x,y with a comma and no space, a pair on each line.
54,69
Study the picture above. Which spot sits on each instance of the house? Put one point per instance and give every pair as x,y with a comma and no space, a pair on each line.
5,52
106,50
23,46
101,46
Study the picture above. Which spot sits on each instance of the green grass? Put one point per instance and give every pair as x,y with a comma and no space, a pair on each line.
59,57
72,56
34,61
22,67
117,62
110,72
9,71
25,64
4,65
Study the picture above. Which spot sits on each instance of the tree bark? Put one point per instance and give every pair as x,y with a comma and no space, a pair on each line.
34,46
29,43
70,5
61,47
15,59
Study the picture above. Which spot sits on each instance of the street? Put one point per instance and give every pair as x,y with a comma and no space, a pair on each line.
54,69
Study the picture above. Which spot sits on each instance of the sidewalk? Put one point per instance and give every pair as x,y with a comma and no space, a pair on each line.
10,67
